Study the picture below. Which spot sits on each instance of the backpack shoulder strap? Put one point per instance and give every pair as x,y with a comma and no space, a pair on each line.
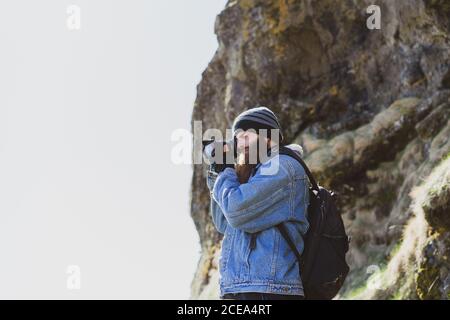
284,232
285,150
281,227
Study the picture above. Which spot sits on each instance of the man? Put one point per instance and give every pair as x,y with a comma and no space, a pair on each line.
247,202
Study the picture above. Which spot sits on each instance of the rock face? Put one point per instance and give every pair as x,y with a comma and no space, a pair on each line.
371,110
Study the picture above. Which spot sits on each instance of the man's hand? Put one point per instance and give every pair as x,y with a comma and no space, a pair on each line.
220,167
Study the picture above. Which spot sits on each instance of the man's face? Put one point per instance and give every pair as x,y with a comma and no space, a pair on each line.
247,143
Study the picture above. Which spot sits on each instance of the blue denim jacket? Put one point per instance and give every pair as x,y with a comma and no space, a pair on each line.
255,257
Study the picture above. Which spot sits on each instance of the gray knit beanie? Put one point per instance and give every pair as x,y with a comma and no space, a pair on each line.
257,118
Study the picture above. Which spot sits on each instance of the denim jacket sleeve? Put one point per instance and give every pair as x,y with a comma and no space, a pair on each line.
218,218
254,206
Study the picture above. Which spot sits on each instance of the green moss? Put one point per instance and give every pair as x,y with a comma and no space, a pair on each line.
428,281
436,196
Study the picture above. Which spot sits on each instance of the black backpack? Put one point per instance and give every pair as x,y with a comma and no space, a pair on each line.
323,267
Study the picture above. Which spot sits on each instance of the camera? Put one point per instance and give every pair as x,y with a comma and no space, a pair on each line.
220,154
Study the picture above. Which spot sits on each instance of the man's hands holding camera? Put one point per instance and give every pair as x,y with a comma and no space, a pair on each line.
219,154
223,154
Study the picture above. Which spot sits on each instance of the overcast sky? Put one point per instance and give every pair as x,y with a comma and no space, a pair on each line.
86,117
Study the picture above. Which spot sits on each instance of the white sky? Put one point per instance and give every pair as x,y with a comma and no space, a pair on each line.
86,119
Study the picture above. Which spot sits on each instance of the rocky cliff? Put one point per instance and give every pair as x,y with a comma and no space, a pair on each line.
371,110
